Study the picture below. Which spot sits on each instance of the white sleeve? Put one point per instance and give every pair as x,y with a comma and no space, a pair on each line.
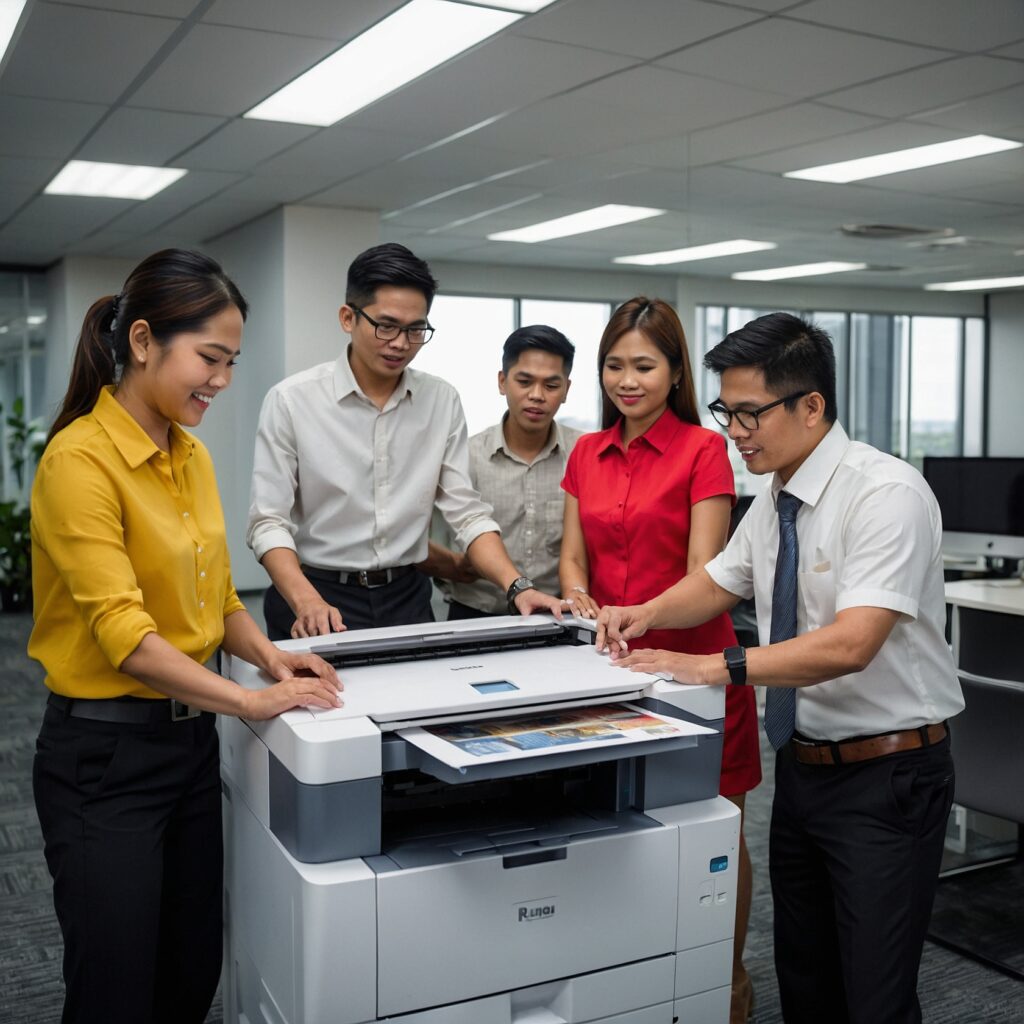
275,478
733,568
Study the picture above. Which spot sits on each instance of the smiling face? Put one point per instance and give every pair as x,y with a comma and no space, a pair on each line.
177,381
637,377
784,438
534,388
378,364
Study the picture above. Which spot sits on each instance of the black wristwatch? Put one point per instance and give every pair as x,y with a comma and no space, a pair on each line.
516,587
736,663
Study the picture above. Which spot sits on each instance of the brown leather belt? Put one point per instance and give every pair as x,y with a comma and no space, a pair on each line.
849,751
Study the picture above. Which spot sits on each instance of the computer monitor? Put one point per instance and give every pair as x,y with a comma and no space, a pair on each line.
982,504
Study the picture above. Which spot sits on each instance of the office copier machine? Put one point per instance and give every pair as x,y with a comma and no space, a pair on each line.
585,877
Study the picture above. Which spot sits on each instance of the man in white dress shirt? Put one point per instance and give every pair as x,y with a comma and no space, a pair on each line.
517,465
842,555
351,458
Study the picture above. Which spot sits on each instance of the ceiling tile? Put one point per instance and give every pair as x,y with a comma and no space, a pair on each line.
50,60
160,8
44,128
953,24
504,74
999,113
242,144
152,137
227,71
173,201
796,59
641,28
929,88
325,19
1015,51
60,220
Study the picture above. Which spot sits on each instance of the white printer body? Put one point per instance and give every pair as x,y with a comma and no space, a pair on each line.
368,880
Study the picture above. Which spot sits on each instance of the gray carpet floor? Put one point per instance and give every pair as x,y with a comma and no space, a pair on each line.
954,990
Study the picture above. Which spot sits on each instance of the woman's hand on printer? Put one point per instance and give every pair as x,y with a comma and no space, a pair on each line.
304,680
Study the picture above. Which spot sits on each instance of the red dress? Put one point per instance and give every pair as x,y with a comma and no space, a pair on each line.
635,514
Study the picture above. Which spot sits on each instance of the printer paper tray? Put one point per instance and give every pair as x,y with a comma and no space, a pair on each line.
501,747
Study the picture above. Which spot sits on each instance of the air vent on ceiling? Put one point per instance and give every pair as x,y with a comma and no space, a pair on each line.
893,231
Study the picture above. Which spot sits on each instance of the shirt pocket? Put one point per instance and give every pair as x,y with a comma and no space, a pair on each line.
818,590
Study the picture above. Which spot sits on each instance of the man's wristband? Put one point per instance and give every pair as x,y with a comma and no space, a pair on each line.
736,663
517,586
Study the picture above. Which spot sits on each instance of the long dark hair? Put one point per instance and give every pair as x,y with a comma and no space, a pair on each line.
174,290
657,321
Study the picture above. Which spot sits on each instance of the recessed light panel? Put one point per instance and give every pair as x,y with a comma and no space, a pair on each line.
734,247
111,181
983,285
417,37
905,159
802,270
10,13
577,223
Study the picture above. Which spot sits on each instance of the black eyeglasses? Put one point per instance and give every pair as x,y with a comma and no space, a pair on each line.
418,334
748,419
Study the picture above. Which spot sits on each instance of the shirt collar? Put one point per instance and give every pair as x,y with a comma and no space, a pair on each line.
345,383
659,435
127,435
494,441
811,479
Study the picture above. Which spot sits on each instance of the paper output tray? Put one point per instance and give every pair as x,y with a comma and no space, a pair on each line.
427,754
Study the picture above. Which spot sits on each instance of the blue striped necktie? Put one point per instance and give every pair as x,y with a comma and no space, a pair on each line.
780,704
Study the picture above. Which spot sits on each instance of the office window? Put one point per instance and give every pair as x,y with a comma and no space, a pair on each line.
466,350
910,385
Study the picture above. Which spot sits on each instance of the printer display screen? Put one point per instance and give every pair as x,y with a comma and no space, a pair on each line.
495,686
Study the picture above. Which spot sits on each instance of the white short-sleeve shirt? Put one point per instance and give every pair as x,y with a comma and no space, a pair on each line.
869,534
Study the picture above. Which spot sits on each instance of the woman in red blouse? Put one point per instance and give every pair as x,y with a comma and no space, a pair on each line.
648,501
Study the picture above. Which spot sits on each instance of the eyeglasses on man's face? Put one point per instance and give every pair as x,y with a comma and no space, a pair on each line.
418,334
748,419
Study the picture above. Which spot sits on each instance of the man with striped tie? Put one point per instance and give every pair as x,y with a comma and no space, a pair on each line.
842,555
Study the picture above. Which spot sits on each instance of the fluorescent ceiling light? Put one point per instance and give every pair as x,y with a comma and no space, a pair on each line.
983,285
695,252
36,319
417,37
112,181
10,12
526,6
905,159
803,270
577,223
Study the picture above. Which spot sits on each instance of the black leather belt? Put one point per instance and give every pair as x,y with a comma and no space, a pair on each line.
130,710
369,578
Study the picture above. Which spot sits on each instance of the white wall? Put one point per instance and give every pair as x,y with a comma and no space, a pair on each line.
1005,374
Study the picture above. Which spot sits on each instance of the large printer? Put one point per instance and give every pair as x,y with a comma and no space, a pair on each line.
369,877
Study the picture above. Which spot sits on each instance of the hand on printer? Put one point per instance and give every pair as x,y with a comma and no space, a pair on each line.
315,617
304,680
683,668
617,625
529,601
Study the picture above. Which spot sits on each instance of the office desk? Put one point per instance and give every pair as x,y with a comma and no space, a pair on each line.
977,913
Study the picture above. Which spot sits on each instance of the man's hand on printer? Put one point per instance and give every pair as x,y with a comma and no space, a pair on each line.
617,625
529,601
304,680
315,617
683,668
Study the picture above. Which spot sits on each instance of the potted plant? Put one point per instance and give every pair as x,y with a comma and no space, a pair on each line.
24,446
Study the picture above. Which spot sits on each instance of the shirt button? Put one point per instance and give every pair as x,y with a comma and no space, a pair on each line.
185,515
199,548
202,604
202,575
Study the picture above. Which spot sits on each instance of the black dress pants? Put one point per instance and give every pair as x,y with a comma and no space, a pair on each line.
399,603
458,611
131,818
854,861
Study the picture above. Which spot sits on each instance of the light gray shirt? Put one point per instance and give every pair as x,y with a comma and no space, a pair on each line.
870,535
349,486
528,501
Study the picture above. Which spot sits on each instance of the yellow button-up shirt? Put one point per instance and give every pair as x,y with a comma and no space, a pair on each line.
126,540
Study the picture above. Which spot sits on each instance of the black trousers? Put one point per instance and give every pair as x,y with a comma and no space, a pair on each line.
399,603
457,610
854,861
131,820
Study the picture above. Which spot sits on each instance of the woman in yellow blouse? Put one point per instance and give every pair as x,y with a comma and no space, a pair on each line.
133,595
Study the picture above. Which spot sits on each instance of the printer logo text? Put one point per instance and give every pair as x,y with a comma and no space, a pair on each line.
534,912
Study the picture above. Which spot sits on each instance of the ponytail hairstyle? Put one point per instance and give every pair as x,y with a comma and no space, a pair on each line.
658,322
174,291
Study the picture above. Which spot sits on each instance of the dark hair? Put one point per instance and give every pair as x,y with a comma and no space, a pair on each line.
791,353
387,264
538,336
174,290
657,321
